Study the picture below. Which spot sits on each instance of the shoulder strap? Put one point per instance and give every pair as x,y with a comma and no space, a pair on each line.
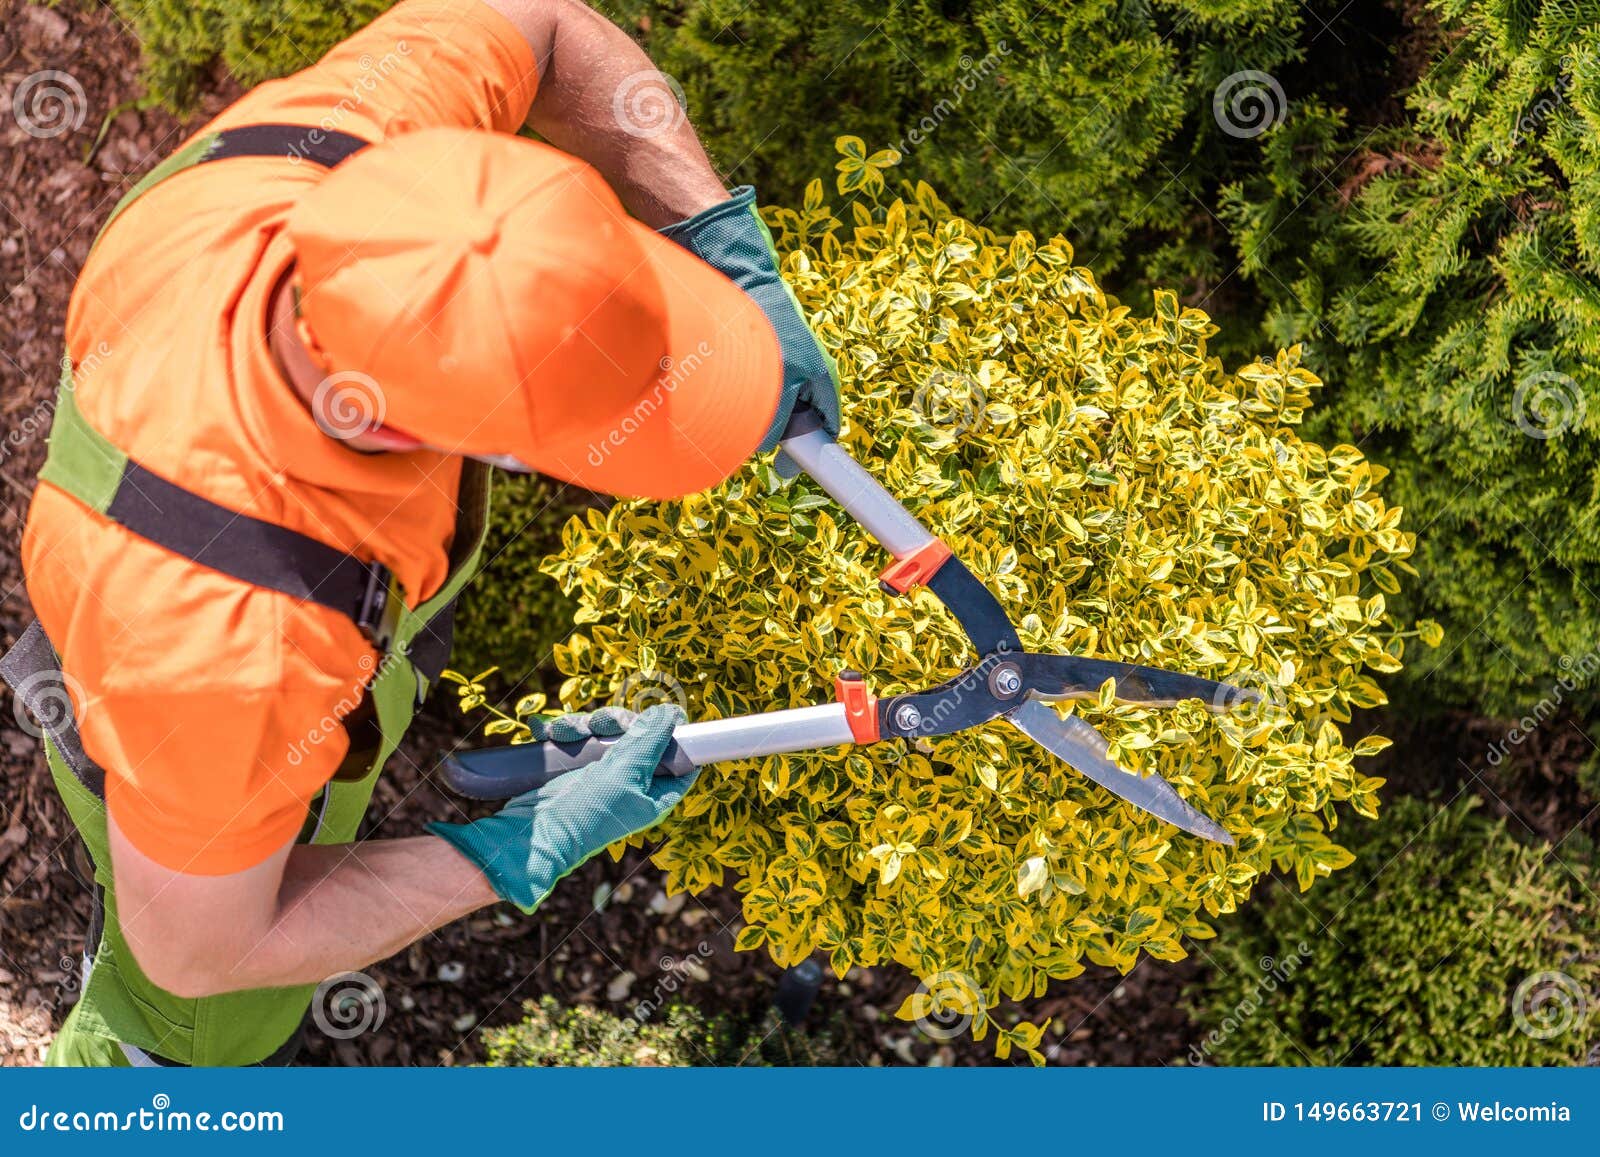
250,549
91,468
294,143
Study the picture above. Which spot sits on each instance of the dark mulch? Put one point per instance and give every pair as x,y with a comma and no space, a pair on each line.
609,936
1537,780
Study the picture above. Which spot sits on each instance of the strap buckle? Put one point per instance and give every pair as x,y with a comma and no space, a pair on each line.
379,613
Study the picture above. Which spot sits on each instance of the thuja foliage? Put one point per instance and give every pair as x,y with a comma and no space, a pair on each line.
1088,116
256,39
1457,306
580,1036
1449,943
1124,496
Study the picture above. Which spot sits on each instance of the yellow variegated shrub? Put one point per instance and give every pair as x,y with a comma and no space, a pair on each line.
1125,497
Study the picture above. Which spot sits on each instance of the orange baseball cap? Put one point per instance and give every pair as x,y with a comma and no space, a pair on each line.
503,303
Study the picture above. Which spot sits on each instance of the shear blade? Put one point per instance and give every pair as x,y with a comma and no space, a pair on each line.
1080,745
1057,677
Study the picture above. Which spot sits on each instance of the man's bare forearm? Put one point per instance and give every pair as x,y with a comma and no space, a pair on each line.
601,99
343,907
300,916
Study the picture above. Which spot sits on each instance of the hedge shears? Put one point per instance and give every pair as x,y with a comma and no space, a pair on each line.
1007,682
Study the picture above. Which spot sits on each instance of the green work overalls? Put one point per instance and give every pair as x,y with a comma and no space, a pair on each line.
122,1018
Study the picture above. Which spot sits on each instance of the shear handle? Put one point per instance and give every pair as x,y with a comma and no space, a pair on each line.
852,487
504,772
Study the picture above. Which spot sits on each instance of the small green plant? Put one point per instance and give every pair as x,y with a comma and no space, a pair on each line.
1449,943
585,1037
513,615
1124,495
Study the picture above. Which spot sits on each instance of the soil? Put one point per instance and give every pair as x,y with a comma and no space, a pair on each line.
609,936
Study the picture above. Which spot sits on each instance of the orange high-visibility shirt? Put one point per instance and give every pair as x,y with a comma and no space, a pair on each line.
213,705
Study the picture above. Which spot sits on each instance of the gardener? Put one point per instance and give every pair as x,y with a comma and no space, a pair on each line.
312,327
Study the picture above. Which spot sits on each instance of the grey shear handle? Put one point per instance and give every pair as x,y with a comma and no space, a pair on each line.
503,772
850,485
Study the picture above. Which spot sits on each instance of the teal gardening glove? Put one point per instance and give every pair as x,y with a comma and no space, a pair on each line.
527,847
732,239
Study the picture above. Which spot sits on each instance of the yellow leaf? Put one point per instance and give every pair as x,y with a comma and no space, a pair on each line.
1031,876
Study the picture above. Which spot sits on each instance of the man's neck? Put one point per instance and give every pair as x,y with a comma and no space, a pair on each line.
294,362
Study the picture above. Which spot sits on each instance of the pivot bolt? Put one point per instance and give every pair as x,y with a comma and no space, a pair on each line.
907,717
1005,680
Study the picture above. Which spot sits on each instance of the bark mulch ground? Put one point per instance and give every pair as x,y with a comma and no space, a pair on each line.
610,936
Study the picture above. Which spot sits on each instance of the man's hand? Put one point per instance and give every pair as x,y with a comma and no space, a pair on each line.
543,836
733,239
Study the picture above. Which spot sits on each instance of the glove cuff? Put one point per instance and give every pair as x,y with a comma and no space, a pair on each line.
494,850
740,201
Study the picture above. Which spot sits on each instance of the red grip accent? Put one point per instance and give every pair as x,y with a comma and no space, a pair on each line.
860,708
916,568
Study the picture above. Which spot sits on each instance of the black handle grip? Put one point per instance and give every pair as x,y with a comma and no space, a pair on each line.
495,773
802,420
